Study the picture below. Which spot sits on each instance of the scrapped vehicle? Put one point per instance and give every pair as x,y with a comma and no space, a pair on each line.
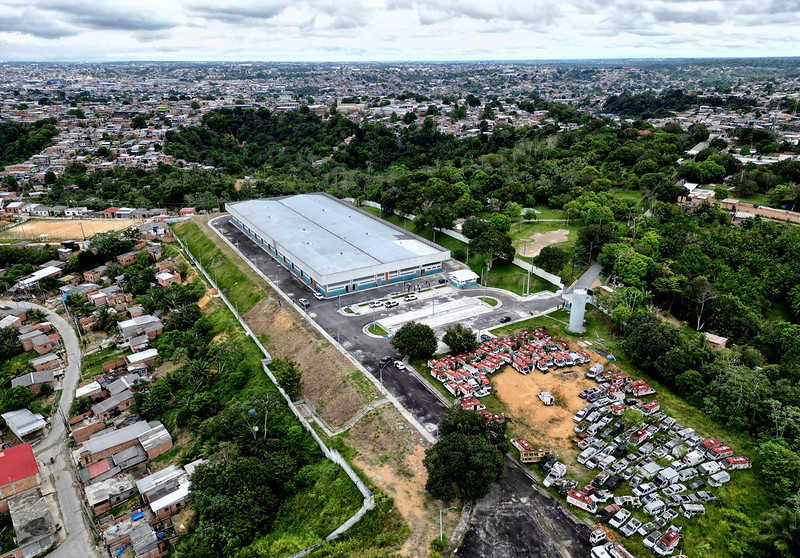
619,518
546,398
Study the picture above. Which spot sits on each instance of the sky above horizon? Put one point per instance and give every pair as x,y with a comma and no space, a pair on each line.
386,30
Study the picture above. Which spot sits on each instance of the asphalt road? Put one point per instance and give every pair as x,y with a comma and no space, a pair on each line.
514,519
78,541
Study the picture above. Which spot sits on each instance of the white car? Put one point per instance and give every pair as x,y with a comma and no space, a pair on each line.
630,527
319,296
302,301
409,298
399,365
644,489
619,518
390,303
674,489
375,304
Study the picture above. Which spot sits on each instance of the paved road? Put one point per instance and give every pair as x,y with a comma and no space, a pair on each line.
515,519
585,281
79,541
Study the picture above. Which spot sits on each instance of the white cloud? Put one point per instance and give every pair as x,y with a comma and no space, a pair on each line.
394,29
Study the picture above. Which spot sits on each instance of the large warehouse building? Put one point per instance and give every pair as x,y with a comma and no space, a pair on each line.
334,247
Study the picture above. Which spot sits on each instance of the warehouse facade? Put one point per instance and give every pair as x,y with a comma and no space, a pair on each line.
334,247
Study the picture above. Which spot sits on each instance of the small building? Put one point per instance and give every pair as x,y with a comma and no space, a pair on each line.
167,278
715,341
35,380
114,405
104,495
33,523
42,344
128,258
92,390
463,278
141,359
24,424
94,275
144,541
188,211
140,325
19,473
48,361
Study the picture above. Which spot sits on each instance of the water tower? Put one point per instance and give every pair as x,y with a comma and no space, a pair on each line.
577,311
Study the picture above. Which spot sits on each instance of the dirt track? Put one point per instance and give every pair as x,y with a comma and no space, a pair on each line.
66,229
539,240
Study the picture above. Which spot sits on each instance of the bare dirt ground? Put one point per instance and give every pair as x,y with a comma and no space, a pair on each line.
537,241
549,426
67,229
391,455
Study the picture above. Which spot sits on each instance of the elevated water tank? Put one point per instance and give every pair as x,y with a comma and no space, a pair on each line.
577,311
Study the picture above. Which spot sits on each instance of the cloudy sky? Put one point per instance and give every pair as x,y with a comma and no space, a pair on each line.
344,30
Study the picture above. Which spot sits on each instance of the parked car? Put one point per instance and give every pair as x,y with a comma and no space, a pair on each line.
319,296
505,319
375,304
630,527
399,365
409,298
651,539
619,518
546,398
391,303
643,489
697,485
386,360
674,489
607,512
613,482
302,302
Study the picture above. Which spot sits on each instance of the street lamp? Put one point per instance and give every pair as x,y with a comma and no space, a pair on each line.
441,537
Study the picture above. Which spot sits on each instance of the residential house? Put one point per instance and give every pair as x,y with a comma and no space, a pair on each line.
49,361
110,213
152,436
19,473
106,494
34,528
24,424
10,321
128,258
188,211
64,253
76,211
94,275
141,325
156,251
145,542
35,380
167,278
715,341
114,405
43,343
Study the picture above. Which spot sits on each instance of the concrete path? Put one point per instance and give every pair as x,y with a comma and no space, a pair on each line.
79,541
585,281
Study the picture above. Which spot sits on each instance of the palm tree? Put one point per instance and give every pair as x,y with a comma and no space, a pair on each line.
36,315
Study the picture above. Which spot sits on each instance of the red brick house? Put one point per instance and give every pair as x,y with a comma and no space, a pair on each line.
19,473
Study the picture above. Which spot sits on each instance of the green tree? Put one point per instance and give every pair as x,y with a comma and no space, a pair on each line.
289,377
49,177
138,122
415,340
779,468
17,397
9,344
500,222
474,227
466,459
195,105
551,259
494,244
79,406
409,117
460,338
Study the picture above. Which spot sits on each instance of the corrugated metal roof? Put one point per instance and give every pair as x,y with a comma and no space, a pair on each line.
329,236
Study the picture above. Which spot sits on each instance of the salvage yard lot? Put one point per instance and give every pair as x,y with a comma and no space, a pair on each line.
702,536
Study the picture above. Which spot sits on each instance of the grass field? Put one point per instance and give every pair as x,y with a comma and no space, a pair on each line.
65,229
503,275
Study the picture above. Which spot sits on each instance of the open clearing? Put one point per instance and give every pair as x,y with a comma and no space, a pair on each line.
531,246
66,229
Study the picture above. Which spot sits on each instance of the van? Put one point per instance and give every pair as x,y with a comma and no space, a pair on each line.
655,507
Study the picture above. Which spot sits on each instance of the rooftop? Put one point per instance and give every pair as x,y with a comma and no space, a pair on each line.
315,227
17,462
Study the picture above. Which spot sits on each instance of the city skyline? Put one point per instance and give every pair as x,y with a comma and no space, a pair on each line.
394,30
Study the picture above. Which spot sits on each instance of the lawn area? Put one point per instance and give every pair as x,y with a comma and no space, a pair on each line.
375,329
503,275
489,300
92,364
238,285
525,229
635,195
705,535
755,199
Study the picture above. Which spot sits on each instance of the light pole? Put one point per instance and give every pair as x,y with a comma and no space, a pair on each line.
441,535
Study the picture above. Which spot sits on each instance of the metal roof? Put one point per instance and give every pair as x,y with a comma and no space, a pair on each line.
329,236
